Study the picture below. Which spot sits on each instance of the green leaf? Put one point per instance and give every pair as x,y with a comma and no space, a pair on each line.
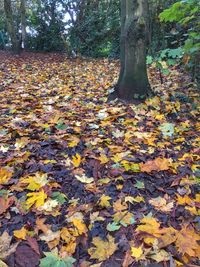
165,71
139,185
149,60
61,126
171,62
3,192
111,227
60,197
167,129
51,260
175,53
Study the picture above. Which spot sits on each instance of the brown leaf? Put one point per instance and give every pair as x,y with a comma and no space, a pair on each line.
25,256
157,164
6,248
33,244
5,203
128,259
187,241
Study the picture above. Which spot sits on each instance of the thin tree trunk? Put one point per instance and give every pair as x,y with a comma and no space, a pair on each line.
10,26
133,81
23,23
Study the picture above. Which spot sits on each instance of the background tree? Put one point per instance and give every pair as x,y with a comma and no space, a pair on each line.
11,27
96,30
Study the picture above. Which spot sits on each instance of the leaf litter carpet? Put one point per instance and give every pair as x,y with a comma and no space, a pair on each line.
84,182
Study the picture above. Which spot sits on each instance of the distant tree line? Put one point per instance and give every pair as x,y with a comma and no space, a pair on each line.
92,28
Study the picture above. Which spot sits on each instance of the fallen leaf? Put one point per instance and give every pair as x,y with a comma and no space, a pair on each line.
137,252
5,203
6,249
104,201
76,160
2,264
36,198
35,182
103,249
167,129
84,179
79,225
160,256
157,164
5,175
149,225
111,227
21,234
187,241
161,204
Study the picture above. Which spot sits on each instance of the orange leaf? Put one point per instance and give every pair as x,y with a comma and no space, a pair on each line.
157,164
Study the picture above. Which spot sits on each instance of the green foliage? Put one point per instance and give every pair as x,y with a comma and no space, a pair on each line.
166,58
96,31
186,13
45,22
52,260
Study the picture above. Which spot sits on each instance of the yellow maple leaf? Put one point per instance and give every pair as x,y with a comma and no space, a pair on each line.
137,252
149,240
36,198
103,249
197,198
193,210
103,158
66,235
150,226
76,160
73,141
104,201
21,234
184,200
117,158
35,182
70,248
79,225
5,175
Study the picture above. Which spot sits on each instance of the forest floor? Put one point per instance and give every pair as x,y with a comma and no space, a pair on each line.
96,183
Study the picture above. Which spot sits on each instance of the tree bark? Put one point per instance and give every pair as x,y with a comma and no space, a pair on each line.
23,23
133,80
11,26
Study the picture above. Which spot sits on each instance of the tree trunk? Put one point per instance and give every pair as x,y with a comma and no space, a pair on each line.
23,23
133,80
10,26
